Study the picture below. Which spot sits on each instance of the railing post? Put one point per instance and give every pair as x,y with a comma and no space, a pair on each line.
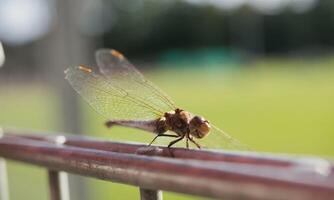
147,194
54,186
4,193
58,185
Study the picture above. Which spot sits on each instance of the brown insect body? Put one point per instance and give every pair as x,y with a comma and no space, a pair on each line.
181,122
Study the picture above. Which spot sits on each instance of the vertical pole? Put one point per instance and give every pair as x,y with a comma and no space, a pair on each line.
64,186
66,46
4,193
2,55
58,185
147,194
54,186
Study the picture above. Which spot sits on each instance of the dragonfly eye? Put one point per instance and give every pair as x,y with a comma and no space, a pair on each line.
204,128
199,127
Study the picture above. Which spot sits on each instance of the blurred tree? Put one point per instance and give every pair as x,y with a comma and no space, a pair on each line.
148,28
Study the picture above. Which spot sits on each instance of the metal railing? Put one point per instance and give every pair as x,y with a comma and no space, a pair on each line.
213,174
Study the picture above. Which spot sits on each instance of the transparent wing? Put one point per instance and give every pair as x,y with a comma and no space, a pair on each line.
120,73
218,139
109,98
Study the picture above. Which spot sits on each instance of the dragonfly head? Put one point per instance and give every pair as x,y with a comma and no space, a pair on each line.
199,127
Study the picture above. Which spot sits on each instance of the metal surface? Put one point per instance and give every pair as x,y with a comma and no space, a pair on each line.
58,185
4,192
146,194
232,180
54,185
252,158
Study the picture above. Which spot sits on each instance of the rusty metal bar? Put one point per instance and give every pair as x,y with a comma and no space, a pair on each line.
147,194
135,148
54,185
252,158
231,180
4,192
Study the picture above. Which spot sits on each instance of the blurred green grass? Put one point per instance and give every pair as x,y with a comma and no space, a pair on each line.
278,106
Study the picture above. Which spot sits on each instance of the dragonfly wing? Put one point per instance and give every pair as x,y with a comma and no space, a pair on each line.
218,139
122,74
112,101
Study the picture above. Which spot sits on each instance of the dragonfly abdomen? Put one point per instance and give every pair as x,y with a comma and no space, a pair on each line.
147,125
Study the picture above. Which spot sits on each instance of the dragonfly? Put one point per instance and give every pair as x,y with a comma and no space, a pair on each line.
119,92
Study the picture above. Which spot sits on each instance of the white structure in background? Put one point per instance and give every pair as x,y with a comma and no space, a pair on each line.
4,194
23,21
263,6
2,55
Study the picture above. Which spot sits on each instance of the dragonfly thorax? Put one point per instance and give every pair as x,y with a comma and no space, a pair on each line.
182,123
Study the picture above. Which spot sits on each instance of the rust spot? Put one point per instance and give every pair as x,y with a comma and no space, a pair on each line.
85,69
117,54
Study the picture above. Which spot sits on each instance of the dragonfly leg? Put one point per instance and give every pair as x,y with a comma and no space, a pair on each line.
175,141
187,142
193,141
161,134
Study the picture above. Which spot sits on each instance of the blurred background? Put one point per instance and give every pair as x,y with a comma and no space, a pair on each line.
261,70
